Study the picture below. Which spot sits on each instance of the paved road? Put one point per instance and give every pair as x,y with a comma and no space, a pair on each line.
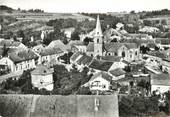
7,76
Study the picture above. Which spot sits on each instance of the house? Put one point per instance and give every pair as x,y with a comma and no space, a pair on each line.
155,57
42,77
50,55
38,48
163,43
117,74
128,51
12,44
99,65
20,61
101,81
81,60
59,106
58,44
160,82
166,64
68,31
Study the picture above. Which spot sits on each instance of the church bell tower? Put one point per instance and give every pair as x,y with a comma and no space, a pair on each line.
98,41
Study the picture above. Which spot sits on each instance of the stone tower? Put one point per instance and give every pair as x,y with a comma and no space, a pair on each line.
98,41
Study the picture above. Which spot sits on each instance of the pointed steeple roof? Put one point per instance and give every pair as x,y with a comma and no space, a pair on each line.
98,31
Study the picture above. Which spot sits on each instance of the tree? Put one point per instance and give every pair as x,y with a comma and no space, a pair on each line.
87,40
5,51
75,35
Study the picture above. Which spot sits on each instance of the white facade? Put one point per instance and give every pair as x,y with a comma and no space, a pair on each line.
42,81
99,83
160,88
118,77
20,66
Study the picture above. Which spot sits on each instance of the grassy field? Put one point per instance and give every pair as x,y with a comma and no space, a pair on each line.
45,16
58,106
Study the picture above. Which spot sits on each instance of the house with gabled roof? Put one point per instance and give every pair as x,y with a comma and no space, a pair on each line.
117,74
58,44
50,56
99,65
100,81
42,77
20,61
160,82
12,44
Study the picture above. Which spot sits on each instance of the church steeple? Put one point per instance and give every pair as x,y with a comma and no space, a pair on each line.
98,39
98,31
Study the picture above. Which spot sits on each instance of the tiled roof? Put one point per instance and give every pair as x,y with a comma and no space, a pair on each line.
22,56
58,44
160,79
75,56
85,60
151,45
50,51
9,43
42,70
157,54
59,106
104,75
117,72
100,65
111,58
163,41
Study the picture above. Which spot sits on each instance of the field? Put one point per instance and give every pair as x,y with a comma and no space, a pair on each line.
57,106
15,106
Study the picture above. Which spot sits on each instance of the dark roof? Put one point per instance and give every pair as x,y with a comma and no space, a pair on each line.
100,65
90,47
9,43
160,79
50,51
104,75
75,55
117,72
111,58
113,47
85,60
167,58
157,54
163,41
42,70
151,45
22,56
58,106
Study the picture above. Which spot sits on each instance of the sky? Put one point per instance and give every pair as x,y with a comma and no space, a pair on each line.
93,6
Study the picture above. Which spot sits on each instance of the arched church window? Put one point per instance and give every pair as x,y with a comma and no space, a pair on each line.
123,54
97,40
136,53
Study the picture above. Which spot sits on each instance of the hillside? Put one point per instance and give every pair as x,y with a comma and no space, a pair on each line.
39,16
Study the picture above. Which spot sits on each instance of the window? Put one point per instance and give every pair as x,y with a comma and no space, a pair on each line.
97,40
115,53
136,53
123,54
104,86
130,56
